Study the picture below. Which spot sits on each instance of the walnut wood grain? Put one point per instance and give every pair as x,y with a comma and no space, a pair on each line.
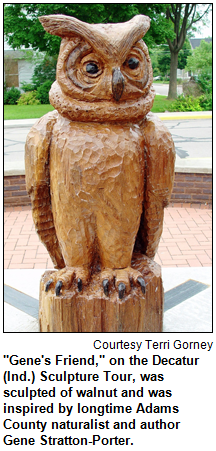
100,170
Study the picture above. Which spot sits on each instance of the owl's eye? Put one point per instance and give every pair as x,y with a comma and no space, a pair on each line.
92,68
133,63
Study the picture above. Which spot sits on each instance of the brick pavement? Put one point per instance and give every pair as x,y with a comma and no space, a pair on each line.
186,238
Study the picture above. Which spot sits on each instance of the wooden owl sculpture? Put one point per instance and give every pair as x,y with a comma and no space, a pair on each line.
100,167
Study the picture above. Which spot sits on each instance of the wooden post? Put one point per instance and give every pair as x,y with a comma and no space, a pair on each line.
93,311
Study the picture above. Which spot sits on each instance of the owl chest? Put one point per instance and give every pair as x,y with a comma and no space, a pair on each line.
85,157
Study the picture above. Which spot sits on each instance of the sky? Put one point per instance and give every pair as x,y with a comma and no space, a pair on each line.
204,31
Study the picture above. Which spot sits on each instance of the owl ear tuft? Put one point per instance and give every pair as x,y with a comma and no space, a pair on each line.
107,39
60,25
67,26
140,23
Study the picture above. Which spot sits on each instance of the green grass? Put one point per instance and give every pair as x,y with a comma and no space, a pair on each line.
161,104
26,111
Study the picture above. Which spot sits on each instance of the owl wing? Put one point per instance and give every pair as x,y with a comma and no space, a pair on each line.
38,184
159,178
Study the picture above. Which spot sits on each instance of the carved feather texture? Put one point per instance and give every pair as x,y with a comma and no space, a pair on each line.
99,168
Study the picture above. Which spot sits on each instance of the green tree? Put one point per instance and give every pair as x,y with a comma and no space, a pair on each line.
164,60
183,17
154,60
22,27
44,71
201,59
164,57
183,55
200,63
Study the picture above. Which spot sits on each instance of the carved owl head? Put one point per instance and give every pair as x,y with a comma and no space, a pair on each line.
101,63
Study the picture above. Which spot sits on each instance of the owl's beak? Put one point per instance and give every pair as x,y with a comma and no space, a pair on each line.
117,84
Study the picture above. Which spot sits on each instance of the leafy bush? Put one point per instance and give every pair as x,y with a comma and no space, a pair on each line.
205,82
27,87
11,96
187,103
43,92
28,98
206,102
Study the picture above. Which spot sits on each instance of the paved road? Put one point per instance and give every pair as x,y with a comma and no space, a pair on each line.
14,145
193,142
192,137
162,90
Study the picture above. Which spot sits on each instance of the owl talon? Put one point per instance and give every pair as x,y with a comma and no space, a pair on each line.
106,286
121,290
58,287
47,286
141,281
79,284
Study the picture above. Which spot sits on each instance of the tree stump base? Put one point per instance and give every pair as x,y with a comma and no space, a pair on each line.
93,311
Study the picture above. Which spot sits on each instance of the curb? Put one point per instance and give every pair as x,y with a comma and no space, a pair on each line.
24,123
173,118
